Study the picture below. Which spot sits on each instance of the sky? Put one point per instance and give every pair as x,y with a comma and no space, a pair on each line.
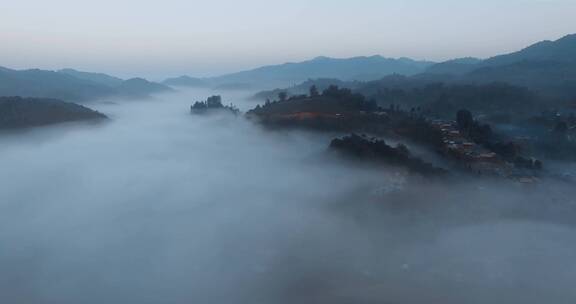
157,39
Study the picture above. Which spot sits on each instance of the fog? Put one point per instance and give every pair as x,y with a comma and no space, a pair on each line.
159,206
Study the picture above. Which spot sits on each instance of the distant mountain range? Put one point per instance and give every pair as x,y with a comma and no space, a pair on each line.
72,85
455,66
563,50
548,67
186,81
357,68
99,78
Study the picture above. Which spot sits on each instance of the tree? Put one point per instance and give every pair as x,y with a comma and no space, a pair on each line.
538,164
332,91
464,119
214,102
403,150
314,91
561,129
283,96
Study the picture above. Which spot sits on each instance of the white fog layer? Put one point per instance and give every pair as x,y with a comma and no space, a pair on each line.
160,206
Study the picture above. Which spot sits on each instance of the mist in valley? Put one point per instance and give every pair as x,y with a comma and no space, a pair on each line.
159,206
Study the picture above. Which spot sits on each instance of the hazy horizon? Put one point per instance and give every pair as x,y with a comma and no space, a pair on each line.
330,182
176,37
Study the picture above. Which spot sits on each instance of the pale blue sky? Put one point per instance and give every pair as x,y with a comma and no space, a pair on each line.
172,37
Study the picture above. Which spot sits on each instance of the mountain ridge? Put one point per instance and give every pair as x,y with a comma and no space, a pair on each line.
353,68
72,85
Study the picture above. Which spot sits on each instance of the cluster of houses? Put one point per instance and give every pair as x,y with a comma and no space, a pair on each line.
306,115
457,146
472,156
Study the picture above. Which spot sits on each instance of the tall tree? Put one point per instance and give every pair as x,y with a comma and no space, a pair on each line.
464,119
314,91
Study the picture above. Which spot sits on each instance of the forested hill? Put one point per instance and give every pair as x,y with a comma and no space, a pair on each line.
18,112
